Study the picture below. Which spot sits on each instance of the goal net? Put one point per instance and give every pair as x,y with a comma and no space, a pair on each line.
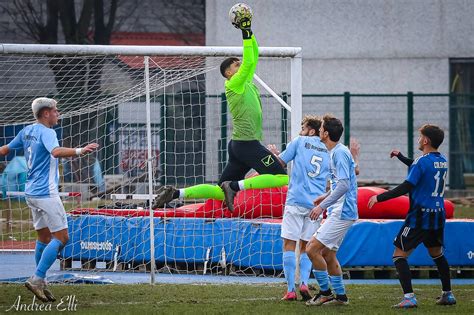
160,117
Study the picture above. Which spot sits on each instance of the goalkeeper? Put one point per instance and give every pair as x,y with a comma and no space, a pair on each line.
245,150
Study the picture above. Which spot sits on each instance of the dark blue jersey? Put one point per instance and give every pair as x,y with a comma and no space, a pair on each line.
427,174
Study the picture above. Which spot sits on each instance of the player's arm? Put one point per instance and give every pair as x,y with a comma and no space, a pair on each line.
62,152
4,150
16,143
355,152
290,152
398,191
247,68
413,178
273,149
255,57
401,157
51,143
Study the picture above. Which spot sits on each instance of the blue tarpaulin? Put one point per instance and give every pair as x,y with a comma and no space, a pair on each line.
246,243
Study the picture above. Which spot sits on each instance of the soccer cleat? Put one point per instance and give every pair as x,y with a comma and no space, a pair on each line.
164,195
49,295
37,287
447,298
229,195
304,291
319,299
338,300
289,296
407,303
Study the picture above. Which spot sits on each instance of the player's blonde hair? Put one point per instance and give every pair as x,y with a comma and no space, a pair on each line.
40,103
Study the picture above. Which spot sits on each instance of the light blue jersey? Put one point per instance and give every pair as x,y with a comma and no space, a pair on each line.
310,170
38,141
342,166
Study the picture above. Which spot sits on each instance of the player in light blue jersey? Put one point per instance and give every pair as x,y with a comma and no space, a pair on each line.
309,175
341,206
41,148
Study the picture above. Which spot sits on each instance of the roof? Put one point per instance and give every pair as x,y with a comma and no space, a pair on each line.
156,39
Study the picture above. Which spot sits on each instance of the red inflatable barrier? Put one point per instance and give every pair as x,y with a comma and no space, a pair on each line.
260,203
396,208
267,203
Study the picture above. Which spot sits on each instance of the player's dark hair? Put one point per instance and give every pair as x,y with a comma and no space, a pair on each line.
312,121
434,133
333,126
226,64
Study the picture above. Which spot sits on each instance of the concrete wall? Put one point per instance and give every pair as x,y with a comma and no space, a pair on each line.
365,46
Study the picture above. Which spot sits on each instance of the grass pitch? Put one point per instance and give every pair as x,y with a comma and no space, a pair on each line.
231,299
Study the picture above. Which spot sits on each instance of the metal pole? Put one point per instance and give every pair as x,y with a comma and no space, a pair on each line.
150,170
410,124
284,123
222,155
347,118
296,95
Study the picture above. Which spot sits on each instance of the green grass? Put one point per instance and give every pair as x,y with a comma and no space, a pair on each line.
234,299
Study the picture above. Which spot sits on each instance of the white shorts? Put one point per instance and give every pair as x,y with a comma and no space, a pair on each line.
332,232
47,212
297,225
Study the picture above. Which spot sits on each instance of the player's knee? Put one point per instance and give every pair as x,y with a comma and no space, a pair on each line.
396,259
435,252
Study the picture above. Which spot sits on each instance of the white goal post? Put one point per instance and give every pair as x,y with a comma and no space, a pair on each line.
128,77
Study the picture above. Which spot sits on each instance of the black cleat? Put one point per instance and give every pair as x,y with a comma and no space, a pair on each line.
229,195
164,195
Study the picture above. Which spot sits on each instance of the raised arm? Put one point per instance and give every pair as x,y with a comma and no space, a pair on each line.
249,60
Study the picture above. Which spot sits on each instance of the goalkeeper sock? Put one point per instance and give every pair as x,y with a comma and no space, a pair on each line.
204,191
266,181
50,254
323,279
289,266
305,268
39,248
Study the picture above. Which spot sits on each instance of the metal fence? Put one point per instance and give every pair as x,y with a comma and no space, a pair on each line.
382,122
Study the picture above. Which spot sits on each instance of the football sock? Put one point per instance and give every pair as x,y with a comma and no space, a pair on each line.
266,181
443,269
323,279
338,284
289,266
39,248
204,191
305,268
404,274
50,253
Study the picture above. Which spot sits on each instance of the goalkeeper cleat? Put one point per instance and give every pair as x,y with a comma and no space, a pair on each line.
289,296
320,298
407,303
304,291
49,294
447,298
36,287
229,195
164,195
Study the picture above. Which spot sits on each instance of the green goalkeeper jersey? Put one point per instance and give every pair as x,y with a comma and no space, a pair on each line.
243,96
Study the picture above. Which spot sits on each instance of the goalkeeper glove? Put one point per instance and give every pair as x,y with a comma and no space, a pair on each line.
245,25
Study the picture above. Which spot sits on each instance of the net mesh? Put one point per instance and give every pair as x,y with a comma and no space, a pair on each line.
102,99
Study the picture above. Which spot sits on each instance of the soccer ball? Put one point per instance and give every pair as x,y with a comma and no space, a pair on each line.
238,12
